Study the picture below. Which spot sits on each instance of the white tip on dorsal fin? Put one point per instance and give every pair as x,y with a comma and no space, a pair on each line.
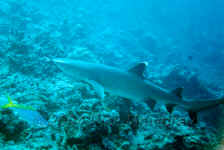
178,92
139,69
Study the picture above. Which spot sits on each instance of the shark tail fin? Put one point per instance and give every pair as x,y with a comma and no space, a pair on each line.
201,106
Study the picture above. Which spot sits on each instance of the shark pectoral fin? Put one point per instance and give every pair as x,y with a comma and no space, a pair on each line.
178,92
170,107
139,69
98,88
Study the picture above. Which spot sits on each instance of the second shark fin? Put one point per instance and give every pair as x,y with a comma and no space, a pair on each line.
170,107
178,92
193,116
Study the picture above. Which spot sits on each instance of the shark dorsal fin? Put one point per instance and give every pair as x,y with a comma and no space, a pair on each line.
139,69
178,92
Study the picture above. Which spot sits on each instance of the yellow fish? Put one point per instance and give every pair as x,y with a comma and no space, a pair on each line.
10,104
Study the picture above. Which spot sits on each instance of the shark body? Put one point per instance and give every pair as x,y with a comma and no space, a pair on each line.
130,84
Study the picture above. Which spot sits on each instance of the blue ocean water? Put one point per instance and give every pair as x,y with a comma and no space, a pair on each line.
182,41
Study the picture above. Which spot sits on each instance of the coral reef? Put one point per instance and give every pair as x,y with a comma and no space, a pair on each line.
77,119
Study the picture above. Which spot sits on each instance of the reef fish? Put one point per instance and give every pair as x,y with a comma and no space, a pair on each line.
25,112
131,84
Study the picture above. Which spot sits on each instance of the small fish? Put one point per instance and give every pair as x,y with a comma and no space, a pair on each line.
26,113
10,104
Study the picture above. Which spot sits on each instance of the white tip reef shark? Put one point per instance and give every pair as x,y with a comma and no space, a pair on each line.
131,84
